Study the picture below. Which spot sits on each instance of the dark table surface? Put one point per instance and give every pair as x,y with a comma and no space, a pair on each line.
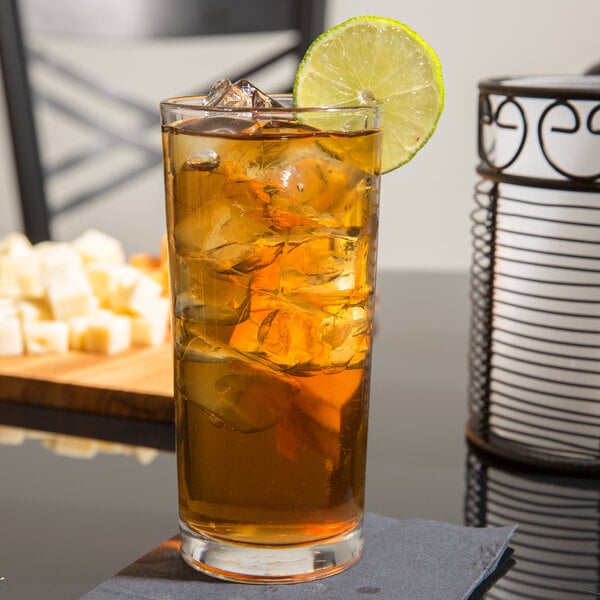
67,524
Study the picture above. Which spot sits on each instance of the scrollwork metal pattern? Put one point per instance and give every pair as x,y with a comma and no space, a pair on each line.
571,131
489,117
495,96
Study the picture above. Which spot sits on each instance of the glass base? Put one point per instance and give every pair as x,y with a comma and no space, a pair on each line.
275,565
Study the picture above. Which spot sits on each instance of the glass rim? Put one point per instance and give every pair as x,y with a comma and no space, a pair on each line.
192,103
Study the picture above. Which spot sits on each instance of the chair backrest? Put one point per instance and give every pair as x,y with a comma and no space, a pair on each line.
108,20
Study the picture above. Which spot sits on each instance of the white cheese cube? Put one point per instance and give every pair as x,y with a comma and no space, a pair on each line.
34,310
94,245
135,293
108,334
104,278
70,297
58,254
78,327
151,328
8,308
11,337
42,337
20,275
29,277
9,272
52,272
15,243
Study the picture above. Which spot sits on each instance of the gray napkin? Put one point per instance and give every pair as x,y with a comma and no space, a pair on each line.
403,560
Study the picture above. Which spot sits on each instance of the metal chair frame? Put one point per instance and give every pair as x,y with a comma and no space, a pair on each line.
305,17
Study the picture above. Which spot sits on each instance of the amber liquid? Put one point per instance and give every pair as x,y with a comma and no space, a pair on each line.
272,235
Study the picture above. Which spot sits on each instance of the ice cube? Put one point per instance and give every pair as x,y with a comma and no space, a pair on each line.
241,396
323,396
302,339
222,298
228,237
241,94
332,191
299,434
327,417
205,160
324,265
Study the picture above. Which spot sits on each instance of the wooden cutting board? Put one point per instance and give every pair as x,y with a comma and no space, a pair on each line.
137,383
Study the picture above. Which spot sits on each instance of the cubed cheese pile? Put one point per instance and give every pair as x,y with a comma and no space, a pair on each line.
83,295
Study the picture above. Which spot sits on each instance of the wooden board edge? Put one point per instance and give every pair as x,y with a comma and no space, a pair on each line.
80,398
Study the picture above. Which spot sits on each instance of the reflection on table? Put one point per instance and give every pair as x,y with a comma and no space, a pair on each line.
556,548
74,446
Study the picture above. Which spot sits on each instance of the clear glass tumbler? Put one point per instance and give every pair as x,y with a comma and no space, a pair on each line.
272,226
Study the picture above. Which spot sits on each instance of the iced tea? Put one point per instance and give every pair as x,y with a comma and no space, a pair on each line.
272,229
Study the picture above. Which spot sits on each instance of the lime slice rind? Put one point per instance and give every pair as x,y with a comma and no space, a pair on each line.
377,60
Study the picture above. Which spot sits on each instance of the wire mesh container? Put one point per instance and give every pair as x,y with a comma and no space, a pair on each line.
534,392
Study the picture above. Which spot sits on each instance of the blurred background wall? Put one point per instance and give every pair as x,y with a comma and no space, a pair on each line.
425,205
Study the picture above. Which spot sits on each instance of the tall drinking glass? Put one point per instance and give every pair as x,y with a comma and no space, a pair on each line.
272,226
